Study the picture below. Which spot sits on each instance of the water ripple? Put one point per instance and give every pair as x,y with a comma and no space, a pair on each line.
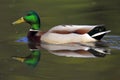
113,41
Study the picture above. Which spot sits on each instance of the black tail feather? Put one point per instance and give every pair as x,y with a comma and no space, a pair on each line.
97,29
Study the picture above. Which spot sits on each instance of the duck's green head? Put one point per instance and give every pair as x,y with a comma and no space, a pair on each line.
32,18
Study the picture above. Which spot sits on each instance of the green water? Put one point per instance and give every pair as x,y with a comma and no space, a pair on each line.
52,13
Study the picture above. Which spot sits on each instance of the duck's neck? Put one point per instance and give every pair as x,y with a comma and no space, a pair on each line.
35,27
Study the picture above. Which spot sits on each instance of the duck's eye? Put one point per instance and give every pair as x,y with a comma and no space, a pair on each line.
28,14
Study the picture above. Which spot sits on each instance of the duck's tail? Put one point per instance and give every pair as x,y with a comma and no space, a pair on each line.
98,32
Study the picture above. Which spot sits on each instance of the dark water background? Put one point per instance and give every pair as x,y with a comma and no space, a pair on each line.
52,13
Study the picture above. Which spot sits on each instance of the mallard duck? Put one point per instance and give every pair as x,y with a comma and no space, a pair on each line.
62,34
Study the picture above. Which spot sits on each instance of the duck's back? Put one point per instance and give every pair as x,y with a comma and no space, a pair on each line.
67,34
71,28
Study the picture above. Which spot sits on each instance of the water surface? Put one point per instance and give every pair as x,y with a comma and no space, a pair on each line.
56,67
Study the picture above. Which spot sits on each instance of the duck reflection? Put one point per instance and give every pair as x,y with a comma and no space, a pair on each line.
32,59
86,50
77,50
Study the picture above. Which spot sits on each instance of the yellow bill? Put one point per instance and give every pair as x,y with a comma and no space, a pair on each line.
21,20
19,59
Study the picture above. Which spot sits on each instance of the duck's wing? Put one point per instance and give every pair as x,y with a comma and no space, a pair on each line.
67,29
